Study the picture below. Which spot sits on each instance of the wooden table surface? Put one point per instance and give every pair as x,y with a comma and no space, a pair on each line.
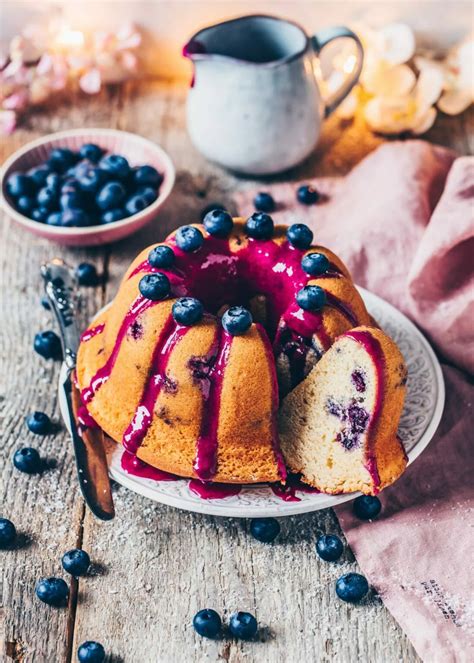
156,566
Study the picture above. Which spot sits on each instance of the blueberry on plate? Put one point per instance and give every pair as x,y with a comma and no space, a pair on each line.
76,562
329,547
161,257
111,196
74,218
264,529
243,625
259,226
187,311
311,298
207,623
115,165
367,507
39,174
189,238
39,423
40,214
154,286
315,264
54,219
218,223
25,205
48,345
86,274
7,533
148,193
27,460
237,320
210,208
91,652
19,184
136,204
53,591
92,152
352,587
112,215
307,194
147,176
300,236
90,178
48,197
264,202
61,158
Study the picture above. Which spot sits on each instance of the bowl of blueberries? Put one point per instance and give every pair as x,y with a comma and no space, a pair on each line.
86,186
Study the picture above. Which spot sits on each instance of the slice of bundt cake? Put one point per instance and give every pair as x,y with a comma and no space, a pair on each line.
338,427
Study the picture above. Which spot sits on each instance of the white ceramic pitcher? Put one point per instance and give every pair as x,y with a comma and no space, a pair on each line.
254,105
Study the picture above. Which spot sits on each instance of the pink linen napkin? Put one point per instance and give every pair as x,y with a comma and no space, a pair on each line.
402,220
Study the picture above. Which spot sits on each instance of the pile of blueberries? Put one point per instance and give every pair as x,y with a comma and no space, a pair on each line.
84,188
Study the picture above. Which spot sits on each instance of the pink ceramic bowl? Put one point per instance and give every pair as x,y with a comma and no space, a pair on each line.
136,149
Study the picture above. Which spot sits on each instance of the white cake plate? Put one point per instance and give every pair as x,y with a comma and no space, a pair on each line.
421,416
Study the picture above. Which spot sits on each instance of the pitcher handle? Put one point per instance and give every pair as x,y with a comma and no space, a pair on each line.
319,41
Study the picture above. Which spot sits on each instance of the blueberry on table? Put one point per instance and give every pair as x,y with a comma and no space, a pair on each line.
86,274
112,215
264,202
189,239
48,345
53,591
300,236
40,214
39,423
74,218
61,158
45,303
161,257
366,507
207,623
111,196
311,298
264,529
187,311
115,165
136,204
307,195
76,562
154,286
147,176
27,460
243,625
25,205
48,197
259,226
329,547
91,652
218,223
148,193
315,264
90,178
7,533
236,320
39,174
19,184
92,152
352,587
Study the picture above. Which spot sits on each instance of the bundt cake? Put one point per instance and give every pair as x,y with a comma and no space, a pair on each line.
338,428
208,330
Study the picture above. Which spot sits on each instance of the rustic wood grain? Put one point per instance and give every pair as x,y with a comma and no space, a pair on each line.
156,566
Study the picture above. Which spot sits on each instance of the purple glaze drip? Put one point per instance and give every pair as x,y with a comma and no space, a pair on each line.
287,491
93,331
358,380
213,491
84,418
136,431
133,465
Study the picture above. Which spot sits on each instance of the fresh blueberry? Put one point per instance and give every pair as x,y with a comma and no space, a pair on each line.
111,196
218,223
54,219
90,178
311,298
71,185
61,158
148,193
76,562
161,257
40,214
259,226
92,152
87,274
113,215
307,195
7,533
72,200
300,236
48,345
154,286
352,587
45,303
209,208
207,623
329,547
367,507
19,184
136,204
264,529
91,652
115,165
74,218
39,423
39,174
147,176
27,460
53,591
315,264
25,205
264,202
53,181
187,311
243,625
48,197
236,320
189,238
